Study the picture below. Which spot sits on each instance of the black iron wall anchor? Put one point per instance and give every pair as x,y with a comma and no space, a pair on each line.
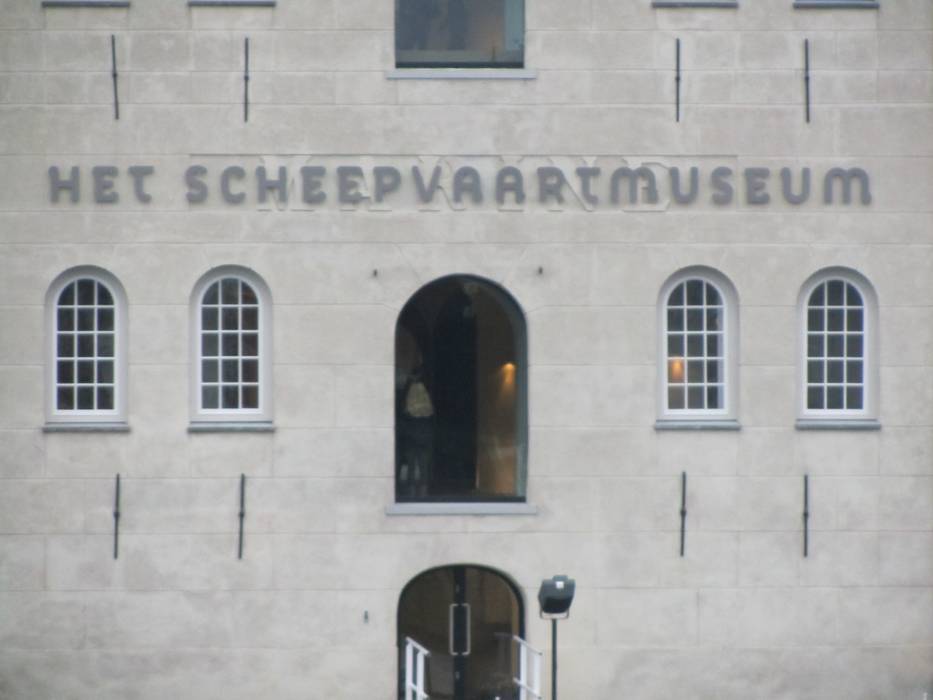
806,76
246,79
683,512
242,514
116,519
677,83
806,515
113,73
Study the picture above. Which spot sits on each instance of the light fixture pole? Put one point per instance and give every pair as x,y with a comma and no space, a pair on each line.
555,597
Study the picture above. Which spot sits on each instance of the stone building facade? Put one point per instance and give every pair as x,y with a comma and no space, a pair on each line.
141,170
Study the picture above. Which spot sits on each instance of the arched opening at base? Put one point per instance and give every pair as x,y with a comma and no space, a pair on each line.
466,617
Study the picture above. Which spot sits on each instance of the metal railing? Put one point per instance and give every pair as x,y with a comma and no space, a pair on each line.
528,681
415,656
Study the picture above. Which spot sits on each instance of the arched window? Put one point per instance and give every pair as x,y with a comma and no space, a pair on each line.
461,375
698,322
837,366
231,323
86,320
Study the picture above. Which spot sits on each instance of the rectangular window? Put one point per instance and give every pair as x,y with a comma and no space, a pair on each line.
459,33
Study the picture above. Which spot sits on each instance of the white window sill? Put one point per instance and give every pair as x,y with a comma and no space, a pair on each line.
834,5
461,509
837,424
696,424
231,3
462,74
76,427
703,4
231,427
85,3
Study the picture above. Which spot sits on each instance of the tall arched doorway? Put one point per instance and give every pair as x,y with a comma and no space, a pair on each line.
466,617
460,398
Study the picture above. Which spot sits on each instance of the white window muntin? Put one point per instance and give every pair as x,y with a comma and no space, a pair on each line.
231,347
86,321
718,346
867,336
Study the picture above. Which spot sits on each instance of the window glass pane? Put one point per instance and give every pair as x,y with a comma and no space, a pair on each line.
675,346
854,398
86,319
694,319
835,319
66,319
250,344
105,319
86,372
695,345
250,371
815,371
230,291
231,320
104,398
713,345
834,397
86,293
695,397
66,345
834,293
677,296
104,298
86,398
834,371
105,345
65,399
230,345
105,371
86,345
834,345
231,371
712,371
209,345
250,319
695,371
675,370
712,296
815,346
454,33
66,372
209,396
854,372
854,346
209,370
815,319
815,397
231,397
853,298
210,296
818,295
248,295
714,320
250,397
714,397
675,319
209,319
675,397
854,320
67,297
694,293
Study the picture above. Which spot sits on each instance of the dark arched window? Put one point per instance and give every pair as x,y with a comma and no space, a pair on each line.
460,396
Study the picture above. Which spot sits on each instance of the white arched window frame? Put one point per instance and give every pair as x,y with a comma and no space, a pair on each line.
231,351
698,351
86,351
837,367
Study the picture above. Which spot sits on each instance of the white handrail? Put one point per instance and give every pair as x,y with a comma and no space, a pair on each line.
529,679
415,654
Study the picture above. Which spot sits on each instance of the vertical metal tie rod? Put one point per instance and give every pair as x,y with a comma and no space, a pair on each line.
242,514
806,515
246,79
116,520
677,83
806,76
683,511
113,73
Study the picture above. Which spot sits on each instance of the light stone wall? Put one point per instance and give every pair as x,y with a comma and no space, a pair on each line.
742,615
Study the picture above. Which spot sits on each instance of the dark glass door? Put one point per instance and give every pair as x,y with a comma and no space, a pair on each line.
466,617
